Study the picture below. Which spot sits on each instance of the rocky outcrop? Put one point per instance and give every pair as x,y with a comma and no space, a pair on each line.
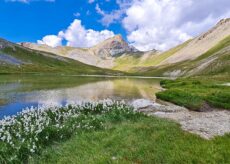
112,46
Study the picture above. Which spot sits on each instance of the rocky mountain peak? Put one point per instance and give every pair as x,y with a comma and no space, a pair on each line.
223,21
113,46
117,37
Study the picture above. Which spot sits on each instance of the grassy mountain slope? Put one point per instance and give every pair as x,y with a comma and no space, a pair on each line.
215,61
32,61
128,62
116,54
202,43
199,47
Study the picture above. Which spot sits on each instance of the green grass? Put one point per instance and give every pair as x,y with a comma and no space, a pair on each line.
31,131
195,93
139,140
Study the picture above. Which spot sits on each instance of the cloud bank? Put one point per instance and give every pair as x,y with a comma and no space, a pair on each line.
154,24
76,36
149,24
162,24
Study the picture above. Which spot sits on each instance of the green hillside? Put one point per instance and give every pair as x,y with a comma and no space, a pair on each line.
17,59
215,61
129,62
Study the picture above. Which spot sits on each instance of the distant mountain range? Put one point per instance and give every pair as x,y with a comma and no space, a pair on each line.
15,58
101,55
207,53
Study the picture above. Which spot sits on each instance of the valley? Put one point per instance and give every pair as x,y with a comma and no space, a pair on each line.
116,103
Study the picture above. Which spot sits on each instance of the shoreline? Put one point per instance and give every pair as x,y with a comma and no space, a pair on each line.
85,75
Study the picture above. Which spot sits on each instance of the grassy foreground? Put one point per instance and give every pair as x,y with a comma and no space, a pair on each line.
196,93
138,140
103,133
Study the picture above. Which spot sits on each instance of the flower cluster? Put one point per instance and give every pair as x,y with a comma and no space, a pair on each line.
30,130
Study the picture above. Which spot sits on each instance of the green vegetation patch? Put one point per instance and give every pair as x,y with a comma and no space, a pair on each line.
33,129
194,93
140,140
103,133
182,98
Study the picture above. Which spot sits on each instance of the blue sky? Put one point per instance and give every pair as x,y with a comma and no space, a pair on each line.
146,24
31,21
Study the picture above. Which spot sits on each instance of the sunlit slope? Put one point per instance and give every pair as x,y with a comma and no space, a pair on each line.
128,62
216,61
187,51
17,59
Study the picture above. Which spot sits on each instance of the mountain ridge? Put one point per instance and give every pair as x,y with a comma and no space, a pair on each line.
114,53
201,43
15,58
100,55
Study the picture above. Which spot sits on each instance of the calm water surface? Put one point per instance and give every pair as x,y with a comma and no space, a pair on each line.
18,92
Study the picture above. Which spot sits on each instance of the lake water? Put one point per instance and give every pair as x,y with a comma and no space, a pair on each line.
18,92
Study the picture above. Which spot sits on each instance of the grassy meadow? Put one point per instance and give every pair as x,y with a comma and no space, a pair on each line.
200,93
137,139
106,132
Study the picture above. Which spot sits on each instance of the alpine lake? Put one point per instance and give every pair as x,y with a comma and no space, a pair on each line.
17,92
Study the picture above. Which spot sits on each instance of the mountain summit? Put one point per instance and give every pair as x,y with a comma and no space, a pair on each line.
115,53
113,46
101,55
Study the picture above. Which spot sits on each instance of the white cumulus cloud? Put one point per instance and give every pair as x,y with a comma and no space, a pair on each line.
77,35
161,24
51,40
